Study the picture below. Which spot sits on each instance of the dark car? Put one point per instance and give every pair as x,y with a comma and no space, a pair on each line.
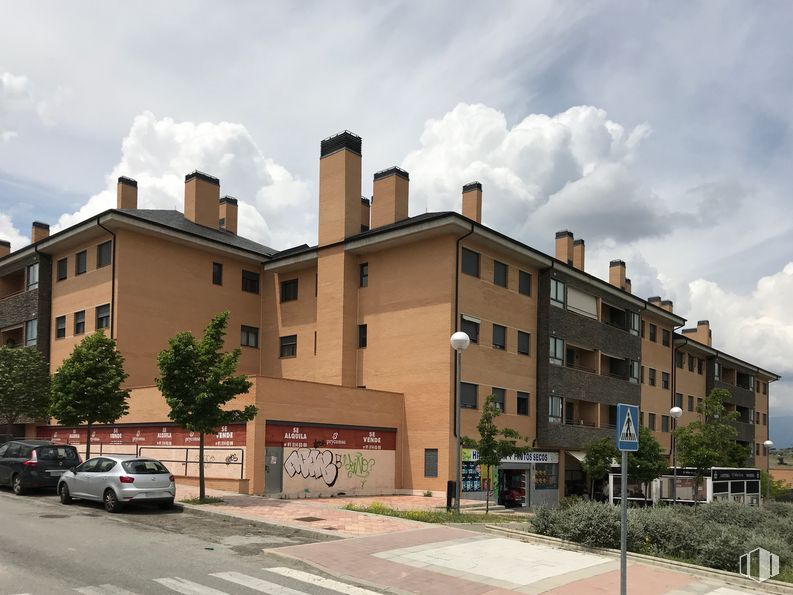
35,463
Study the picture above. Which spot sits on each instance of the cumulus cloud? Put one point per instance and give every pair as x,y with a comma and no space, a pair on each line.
275,206
11,234
15,96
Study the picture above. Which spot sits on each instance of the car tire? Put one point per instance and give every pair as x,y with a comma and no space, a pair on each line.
63,492
111,501
167,505
16,485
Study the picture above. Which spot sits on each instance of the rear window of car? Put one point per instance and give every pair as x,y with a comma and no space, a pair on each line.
56,453
143,467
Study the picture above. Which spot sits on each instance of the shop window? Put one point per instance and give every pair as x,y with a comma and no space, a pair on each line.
468,395
524,343
470,264
80,262
546,476
249,336
288,346
523,403
500,273
104,254
524,282
499,336
430,462
289,290
217,273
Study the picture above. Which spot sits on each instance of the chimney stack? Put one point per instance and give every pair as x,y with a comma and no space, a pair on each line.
578,254
564,246
472,201
628,285
701,334
390,196
366,209
655,300
5,248
228,214
126,193
201,199
617,274
39,232
667,305
339,187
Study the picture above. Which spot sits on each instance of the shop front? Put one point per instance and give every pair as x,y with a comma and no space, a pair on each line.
527,480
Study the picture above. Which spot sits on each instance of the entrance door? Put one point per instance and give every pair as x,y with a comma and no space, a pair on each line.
273,469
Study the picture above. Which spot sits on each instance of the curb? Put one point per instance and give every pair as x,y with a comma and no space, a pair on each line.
734,579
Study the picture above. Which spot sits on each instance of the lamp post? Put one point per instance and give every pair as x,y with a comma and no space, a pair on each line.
459,342
768,444
675,412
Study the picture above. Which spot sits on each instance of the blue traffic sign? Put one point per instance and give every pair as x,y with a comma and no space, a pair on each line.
627,427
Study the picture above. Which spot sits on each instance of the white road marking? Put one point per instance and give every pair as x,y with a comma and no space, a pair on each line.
186,587
104,590
256,584
326,583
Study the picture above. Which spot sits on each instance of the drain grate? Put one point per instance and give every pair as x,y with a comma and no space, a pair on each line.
54,516
309,519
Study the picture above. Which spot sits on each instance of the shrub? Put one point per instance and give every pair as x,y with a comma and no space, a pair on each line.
590,523
720,547
732,514
663,532
772,542
542,522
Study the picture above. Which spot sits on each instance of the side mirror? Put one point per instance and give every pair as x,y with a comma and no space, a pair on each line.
73,469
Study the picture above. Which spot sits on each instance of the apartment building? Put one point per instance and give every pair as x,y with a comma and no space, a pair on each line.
348,341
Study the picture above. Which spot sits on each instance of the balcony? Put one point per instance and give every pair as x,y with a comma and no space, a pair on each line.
582,359
12,284
13,337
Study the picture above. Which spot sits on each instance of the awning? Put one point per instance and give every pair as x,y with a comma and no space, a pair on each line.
577,454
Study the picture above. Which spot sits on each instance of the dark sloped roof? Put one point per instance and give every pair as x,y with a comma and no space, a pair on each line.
177,221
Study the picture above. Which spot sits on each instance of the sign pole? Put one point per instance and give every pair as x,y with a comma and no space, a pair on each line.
624,523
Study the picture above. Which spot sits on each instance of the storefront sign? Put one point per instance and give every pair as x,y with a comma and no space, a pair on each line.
528,457
739,474
165,435
298,435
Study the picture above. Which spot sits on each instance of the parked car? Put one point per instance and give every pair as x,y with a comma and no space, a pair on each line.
35,463
117,480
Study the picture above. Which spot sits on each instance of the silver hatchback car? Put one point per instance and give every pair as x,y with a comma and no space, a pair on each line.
116,480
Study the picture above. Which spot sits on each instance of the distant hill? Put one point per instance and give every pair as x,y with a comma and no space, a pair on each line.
782,431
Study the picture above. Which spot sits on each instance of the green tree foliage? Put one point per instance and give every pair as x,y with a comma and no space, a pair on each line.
647,463
197,380
711,441
597,462
772,488
494,443
24,386
86,389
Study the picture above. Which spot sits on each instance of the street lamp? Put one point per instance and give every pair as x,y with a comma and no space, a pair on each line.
768,444
459,342
675,412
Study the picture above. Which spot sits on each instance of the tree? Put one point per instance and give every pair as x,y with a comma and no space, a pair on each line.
711,441
600,455
87,387
647,463
494,443
776,489
24,386
197,379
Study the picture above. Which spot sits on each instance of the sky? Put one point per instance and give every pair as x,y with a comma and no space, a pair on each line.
660,133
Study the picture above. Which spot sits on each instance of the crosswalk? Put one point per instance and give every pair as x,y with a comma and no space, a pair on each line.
234,583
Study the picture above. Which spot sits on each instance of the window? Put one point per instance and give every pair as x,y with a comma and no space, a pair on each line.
524,343
634,323
430,462
499,336
633,371
499,397
691,361
217,273
363,275
471,328
468,395
641,374
699,403
249,336
500,273
757,449
557,351
651,377
470,264
80,262
582,303
103,316
690,403
665,380
651,421
757,418
643,329
765,388
555,409
62,268
716,371
250,282
288,290
523,403
60,327
289,346
361,336
679,400
79,322
557,292
653,333
104,254
700,366
679,359
31,332
33,276
664,423
666,337
765,419
524,282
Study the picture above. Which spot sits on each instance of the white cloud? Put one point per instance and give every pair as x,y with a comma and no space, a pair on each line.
11,234
15,96
275,207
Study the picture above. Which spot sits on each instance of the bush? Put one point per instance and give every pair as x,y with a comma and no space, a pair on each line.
543,523
661,532
772,542
720,547
590,523
731,514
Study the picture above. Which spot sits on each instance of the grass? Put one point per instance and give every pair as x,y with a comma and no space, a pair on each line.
206,500
430,516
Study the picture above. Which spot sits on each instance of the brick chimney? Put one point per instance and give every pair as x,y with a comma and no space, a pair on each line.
579,251
655,300
472,201
390,196
701,334
39,231
366,210
617,273
564,246
126,193
228,214
5,248
667,305
339,187
201,199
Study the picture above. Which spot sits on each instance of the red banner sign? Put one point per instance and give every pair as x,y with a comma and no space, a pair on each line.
307,436
166,435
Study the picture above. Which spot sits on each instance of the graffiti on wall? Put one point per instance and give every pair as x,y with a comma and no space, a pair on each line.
314,463
358,466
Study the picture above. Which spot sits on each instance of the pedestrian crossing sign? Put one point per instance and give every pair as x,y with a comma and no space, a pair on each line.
627,427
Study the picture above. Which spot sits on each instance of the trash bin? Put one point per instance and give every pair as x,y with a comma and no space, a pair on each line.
451,493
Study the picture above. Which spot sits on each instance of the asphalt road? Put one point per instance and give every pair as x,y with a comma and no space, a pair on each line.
49,548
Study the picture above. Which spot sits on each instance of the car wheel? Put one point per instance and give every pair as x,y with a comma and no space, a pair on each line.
168,505
63,492
111,501
16,485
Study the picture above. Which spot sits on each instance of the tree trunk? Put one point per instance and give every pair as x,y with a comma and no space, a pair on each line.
487,492
201,487
592,488
88,442
9,430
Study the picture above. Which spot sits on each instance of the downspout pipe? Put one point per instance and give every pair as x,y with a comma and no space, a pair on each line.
112,279
457,306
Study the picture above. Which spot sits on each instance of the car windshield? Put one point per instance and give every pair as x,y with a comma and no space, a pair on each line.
143,467
56,453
